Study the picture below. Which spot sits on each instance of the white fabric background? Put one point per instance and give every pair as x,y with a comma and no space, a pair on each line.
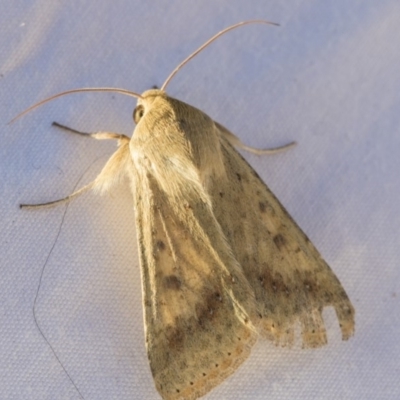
328,78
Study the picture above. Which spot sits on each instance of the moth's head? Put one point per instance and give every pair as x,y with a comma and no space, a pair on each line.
145,103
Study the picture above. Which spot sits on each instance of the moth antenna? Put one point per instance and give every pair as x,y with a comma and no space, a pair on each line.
209,41
100,89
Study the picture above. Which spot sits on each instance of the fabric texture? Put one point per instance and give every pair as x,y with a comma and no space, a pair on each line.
328,78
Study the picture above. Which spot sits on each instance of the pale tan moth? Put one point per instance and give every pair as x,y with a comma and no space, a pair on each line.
222,262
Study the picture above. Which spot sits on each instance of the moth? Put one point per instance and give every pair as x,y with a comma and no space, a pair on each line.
222,262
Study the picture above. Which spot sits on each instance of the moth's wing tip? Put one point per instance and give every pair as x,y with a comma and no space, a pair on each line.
347,333
346,315
313,331
347,327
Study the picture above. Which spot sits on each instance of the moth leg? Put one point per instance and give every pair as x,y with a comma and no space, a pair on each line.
236,142
112,173
60,201
95,135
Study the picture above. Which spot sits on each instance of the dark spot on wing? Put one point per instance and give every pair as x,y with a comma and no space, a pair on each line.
262,206
279,241
160,245
207,311
172,282
274,283
175,337
239,176
182,123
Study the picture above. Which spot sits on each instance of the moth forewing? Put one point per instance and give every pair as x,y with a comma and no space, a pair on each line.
199,306
290,279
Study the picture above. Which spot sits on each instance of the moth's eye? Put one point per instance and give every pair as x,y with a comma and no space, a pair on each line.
138,113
